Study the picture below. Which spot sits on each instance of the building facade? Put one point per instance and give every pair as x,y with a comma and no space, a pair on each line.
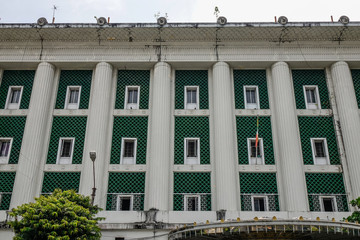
189,122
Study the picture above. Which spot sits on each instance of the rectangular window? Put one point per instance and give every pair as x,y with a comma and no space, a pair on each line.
132,97
255,154
251,97
312,99
5,149
320,151
191,97
65,150
192,203
128,151
192,150
328,204
259,203
73,94
124,203
13,99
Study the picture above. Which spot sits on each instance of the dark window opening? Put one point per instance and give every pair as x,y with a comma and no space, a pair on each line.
125,203
191,148
328,204
192,204
259,204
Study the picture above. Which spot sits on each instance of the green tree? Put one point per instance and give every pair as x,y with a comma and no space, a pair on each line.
63,215
355,216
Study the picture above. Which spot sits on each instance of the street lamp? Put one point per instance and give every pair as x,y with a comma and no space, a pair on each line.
93,157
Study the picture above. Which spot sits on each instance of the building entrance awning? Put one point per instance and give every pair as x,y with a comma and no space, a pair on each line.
269,229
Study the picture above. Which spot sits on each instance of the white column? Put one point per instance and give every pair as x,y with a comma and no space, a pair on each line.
349,120
227,192
160,119
288,140
1,74
100,115
32,150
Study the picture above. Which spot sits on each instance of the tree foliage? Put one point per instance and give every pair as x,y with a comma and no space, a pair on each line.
355,216
63,215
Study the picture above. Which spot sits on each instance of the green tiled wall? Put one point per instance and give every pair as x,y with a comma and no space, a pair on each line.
13,127
133,78
310,77
250,77
6,187
326,183
62,180
258,183
356,78
261,183
246,128
194,182
318,127
192,127
67,127
74,78
126,182
129,127
191,78
17,78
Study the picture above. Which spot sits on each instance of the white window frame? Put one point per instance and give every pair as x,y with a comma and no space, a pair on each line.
252,105
254,160
9,105
69,105
186,202
321,198
5,160
320,160
124,196
131,105
316,105
125,160
65,160
266,206
191,105
191,160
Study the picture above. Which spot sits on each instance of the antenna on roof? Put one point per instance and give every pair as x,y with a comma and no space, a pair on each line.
217,11
54,9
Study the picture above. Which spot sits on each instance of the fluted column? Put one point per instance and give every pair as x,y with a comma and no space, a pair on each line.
160,119
227,192
32,151
97,134
288,140
349,119
1,74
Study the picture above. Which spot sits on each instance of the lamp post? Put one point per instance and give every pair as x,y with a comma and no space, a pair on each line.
93,157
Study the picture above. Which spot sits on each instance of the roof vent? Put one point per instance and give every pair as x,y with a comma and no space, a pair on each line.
222,20
101,21
283,20
161,21
42,21
344,19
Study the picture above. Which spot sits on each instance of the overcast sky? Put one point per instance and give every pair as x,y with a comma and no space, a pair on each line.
141,11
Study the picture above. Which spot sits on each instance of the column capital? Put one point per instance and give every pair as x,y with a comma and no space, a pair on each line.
46,64
162,64
104,64
279,64
339,64
221,64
